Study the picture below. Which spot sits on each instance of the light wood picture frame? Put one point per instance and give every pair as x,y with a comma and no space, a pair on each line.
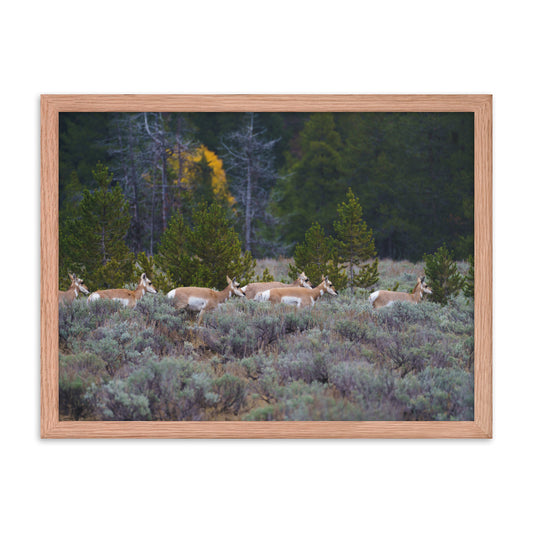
479,105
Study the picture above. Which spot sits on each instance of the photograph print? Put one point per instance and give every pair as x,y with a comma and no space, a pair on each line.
266,266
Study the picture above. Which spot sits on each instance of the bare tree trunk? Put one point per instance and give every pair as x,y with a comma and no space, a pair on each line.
136,225
104,258
179,148
163,157
164,189
152,222
248,202
248,211
249,162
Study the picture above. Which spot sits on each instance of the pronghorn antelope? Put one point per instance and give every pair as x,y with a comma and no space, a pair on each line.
76,286
203,299
386,298
253,289
126,297
297,296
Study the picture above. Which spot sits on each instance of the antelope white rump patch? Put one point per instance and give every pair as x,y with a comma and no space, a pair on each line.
262,296
291,300
94,296
373,297
197,304
171,293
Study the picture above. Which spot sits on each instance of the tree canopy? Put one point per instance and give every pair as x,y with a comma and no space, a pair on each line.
275,175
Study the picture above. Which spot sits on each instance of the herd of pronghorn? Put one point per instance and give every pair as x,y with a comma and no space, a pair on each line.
300,293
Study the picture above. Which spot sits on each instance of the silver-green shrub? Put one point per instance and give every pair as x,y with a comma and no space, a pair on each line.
340,360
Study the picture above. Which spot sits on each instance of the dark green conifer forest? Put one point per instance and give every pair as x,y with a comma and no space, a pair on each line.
133,183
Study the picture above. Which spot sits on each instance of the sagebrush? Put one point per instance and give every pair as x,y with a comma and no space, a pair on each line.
340,360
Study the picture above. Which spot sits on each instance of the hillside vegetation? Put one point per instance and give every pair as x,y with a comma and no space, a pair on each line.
340,360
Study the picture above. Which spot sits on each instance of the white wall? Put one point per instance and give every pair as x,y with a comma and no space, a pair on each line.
266,47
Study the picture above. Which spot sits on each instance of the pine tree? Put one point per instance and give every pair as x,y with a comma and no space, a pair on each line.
317,256
160,279
367,276
315,176
72,195
355,243
216,248
173,255
69,260
468,287
442,275
266,277
202,255
94,240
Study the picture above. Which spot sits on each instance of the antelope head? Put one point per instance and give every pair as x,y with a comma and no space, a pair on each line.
329,286
424,287
304,281
234,286
147,284
77,283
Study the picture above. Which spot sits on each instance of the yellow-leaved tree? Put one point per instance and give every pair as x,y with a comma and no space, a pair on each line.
198,176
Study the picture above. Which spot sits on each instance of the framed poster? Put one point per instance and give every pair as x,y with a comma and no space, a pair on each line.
266,266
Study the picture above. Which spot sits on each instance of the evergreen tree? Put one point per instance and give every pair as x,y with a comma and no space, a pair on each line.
94,240
367,276
317,256
68,255
160,279
468,287
72,195
355,243
442,275
217,249
80,148
202,255
266,277
315,176
174,255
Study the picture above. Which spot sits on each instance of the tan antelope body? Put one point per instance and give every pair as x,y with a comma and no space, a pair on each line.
126,297
253,289
76,286
201,298
380,299
297,296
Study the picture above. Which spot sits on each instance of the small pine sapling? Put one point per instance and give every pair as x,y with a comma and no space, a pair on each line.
160,279
266,277
317,256
468,287
367,276
146,264
395,287
355,243
443,276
